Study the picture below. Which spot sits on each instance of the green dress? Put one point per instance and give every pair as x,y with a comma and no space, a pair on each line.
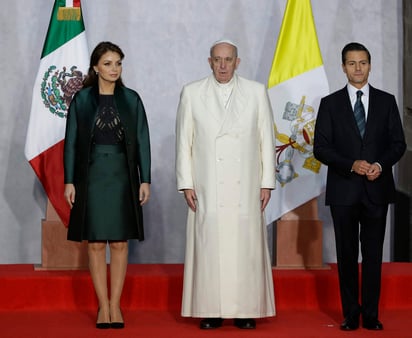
109,206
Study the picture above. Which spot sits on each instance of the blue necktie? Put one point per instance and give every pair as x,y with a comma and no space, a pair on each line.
359,111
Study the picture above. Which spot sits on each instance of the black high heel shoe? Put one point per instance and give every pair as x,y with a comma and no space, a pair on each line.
117,325
103,325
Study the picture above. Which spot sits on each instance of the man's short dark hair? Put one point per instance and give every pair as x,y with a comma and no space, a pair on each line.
354,46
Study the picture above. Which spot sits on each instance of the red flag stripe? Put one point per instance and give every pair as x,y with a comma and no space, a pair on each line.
48,167
76,3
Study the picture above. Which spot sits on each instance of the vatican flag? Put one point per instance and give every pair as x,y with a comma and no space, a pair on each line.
297,82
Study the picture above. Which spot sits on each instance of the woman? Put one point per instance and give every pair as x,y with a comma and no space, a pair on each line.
107,174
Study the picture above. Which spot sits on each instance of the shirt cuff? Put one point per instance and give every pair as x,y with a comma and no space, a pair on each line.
380,167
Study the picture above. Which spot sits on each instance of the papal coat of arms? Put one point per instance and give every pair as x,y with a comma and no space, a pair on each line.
302,126
58,87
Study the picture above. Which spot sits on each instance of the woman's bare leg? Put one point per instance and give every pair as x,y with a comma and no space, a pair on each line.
98,272
118,267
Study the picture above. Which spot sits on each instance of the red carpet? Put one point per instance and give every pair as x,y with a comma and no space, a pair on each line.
62,304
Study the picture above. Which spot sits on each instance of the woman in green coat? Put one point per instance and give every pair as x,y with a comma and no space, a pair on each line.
107,174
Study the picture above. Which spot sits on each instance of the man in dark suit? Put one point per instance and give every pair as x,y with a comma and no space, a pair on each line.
359,136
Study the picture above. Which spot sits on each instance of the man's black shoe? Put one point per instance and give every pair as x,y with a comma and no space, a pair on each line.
372,324
210,323
350,324
245,323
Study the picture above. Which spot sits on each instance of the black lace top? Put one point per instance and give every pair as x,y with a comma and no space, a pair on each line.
108,128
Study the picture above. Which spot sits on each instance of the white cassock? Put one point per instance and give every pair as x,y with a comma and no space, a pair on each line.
226,154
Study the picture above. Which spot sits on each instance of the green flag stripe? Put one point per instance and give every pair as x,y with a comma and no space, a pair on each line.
62,28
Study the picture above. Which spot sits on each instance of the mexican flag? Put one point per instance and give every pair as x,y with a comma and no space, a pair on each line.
297,82
63,65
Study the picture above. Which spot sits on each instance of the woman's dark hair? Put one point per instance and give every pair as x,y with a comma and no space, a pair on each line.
354,46
91,78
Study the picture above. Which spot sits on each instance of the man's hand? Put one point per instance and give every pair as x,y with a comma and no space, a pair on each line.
374,172
264,197
361,167
191,199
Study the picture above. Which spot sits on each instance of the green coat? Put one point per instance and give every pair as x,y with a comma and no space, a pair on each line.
78,140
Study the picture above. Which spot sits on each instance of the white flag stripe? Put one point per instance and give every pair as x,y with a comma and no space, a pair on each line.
295,195
313,84
46,129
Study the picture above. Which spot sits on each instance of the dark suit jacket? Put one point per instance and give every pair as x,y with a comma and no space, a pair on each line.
338,144
78,141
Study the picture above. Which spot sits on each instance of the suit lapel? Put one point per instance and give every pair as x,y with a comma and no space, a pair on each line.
349,114
211,101
372,117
